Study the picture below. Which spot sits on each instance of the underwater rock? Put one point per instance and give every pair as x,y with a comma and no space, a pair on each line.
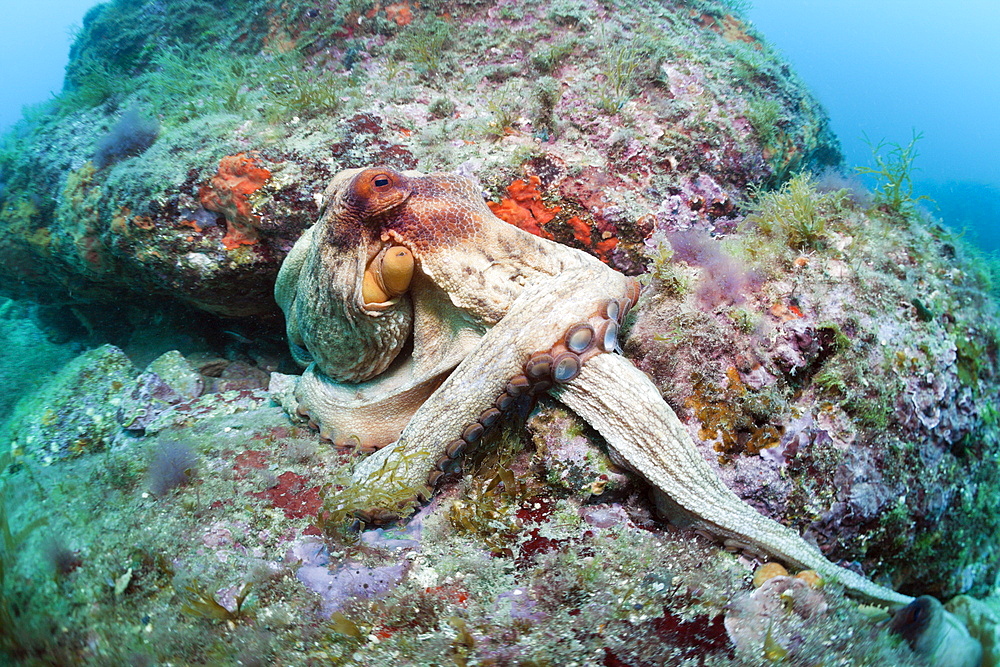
873,417
226,402
75,412
28,358
177,372
574,463
340,583
654,121
167,380
237,376
814,386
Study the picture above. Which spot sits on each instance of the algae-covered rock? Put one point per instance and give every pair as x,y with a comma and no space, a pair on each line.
493,569
76,411
169,379
834,357
820,391
595,125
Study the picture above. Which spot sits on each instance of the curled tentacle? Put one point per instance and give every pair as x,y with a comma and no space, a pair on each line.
536,324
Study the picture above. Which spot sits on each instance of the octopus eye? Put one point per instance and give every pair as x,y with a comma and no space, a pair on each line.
375,192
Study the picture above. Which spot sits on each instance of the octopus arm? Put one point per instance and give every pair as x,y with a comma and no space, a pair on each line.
621,403
537,320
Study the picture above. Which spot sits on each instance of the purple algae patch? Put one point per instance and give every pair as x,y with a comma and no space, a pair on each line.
343,582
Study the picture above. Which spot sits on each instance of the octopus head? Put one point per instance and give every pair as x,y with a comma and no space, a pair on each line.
347,286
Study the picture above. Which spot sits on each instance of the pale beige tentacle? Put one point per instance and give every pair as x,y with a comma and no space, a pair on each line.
538,319
608,394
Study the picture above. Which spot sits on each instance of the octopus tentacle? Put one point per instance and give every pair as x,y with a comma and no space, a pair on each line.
423,319
494,375
561,363
657,444
367,416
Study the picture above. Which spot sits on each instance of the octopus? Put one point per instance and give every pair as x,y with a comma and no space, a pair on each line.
422,320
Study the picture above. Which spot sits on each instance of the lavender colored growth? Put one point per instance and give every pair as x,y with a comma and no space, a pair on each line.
130,136
172,466
725,281
347,581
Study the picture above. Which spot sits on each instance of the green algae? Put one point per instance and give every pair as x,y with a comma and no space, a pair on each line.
797,212
893,173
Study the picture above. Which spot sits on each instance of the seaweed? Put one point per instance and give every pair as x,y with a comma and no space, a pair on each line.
202,603
893,172
797,213
550,56
489,509
11,542
766,116
393,498
425,44
621,66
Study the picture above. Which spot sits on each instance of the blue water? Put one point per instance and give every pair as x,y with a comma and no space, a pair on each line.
34,46
884,68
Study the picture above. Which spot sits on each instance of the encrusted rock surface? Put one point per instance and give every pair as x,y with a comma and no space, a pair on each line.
834,358
76,411
630,118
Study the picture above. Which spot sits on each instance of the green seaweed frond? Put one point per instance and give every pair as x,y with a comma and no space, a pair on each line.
893,172
671,278
503,106
387,495
548,57
425,43
621,65
797,212
489,509
297,92
766,116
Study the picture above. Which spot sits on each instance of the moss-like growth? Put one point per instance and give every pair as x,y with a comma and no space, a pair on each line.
442,107
120,39
11,541
797,212
548,57
425,43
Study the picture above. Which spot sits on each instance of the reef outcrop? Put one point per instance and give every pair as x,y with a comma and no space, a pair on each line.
625,119
833,355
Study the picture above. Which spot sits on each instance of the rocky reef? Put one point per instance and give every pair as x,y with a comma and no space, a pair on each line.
833,351
187,168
